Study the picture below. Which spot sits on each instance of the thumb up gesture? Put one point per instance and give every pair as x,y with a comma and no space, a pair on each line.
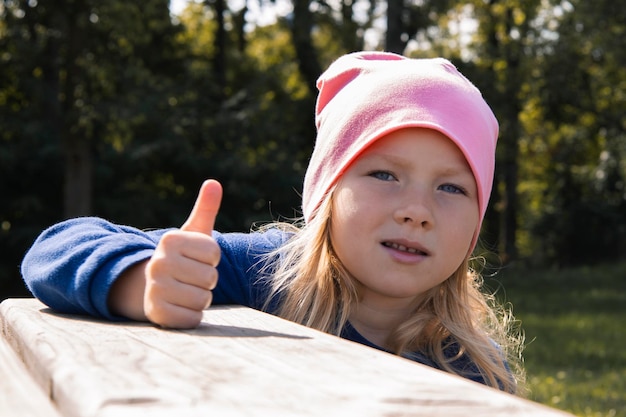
181,274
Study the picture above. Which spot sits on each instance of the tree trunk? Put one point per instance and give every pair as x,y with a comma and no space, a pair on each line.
78,178
301,27
395,27
510,173
239,19
219,60
349,28
508,107
512,111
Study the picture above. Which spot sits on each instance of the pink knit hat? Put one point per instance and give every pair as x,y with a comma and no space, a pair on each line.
364,96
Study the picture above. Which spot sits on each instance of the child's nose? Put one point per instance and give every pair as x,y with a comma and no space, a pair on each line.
415,208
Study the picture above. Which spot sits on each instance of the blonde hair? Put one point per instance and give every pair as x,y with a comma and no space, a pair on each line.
313,288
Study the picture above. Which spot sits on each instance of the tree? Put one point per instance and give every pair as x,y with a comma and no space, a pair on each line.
78,77
505,54
79,53
301,32
580,105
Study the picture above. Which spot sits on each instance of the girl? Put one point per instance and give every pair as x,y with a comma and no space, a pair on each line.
393,200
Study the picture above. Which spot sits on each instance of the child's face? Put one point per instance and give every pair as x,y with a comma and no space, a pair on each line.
404,215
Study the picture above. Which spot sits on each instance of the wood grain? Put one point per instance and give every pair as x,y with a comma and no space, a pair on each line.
20,395
238,362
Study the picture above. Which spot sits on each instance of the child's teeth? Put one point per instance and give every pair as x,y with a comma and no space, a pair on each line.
403,248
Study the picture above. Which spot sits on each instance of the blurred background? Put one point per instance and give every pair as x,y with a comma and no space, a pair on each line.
121,109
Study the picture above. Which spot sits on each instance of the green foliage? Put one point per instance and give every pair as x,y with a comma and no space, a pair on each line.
574,123
574,325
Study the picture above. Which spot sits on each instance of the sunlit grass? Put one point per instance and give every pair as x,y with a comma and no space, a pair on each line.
575,326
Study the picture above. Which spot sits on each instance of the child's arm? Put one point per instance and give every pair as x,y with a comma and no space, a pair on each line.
73,265
127,292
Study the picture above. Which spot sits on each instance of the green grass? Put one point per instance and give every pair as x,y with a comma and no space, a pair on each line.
575,326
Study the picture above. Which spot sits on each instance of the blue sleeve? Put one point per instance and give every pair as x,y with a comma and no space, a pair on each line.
72,265
241,276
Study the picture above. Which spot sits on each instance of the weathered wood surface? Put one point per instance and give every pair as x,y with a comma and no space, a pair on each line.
238,362
20,396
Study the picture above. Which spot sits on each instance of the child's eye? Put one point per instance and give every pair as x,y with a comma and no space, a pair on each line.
382,175
451,188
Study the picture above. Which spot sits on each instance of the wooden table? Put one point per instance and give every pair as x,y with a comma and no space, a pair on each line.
238,362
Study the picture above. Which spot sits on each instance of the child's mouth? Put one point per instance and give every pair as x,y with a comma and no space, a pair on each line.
403,248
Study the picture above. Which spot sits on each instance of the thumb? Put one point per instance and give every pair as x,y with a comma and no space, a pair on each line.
204,212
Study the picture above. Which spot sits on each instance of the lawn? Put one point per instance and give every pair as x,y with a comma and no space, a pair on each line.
575,326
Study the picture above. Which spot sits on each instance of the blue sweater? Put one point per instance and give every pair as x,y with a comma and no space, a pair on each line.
72,266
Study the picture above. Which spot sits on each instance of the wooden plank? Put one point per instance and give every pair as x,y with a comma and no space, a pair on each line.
20,396
238,362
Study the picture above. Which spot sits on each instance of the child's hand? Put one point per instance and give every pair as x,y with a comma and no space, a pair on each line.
182,271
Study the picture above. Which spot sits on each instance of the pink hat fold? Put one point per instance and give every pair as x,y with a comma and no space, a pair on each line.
366,95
